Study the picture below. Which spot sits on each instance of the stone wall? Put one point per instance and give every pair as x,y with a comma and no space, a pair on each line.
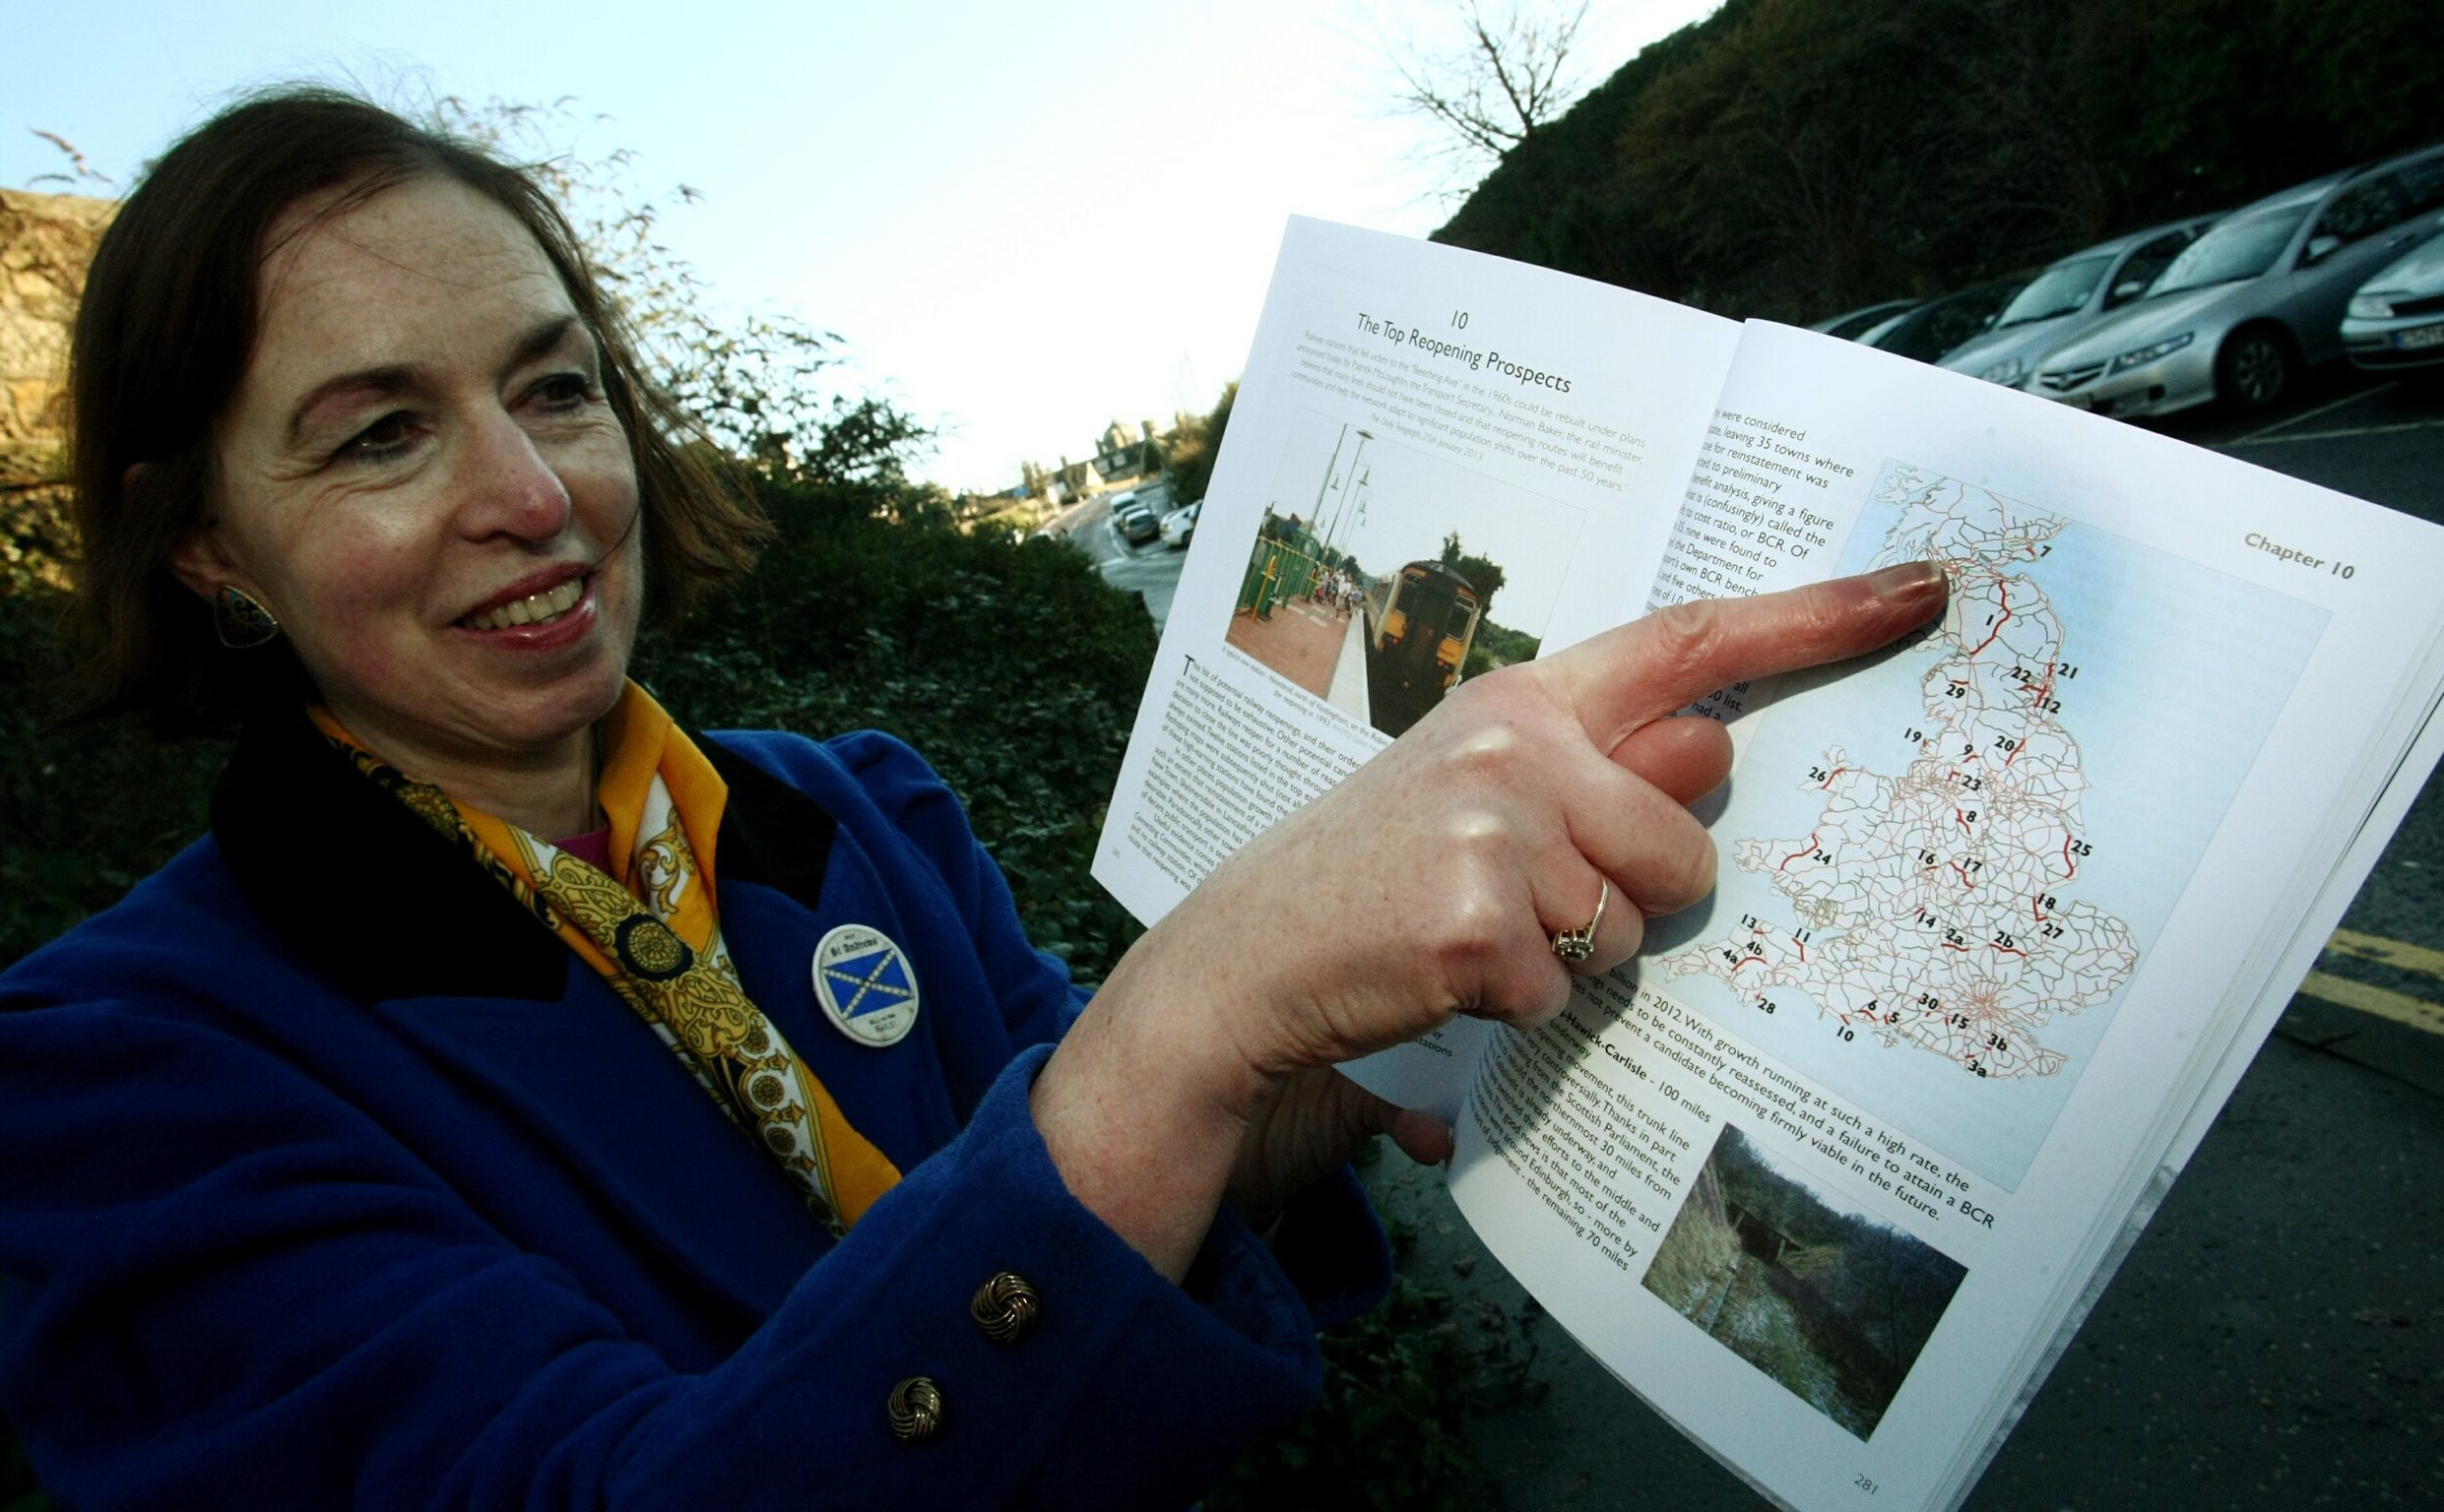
45,242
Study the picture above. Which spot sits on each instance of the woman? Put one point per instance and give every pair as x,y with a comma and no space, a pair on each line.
515,1100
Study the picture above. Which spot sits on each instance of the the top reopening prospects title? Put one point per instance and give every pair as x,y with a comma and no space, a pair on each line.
1454,351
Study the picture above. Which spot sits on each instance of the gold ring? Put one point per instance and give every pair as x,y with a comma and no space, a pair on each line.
1579,944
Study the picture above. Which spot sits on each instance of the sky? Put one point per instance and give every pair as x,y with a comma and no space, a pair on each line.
1027,221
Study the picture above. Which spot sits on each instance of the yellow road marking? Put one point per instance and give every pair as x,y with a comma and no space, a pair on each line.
2400,1007
2376,948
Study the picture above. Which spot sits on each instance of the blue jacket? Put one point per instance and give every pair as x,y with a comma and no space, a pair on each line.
328,1179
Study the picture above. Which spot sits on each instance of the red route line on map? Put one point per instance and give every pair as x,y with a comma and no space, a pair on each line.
1795,854
2003,592
2045,690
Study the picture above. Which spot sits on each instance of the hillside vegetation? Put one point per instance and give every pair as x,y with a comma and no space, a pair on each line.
1790,158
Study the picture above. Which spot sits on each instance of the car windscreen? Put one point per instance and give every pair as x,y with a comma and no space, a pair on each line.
1849,326
2058,290
2236,249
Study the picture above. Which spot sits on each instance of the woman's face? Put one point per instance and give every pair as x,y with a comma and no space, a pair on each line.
420,477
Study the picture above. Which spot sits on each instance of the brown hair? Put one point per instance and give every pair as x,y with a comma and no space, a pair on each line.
164,336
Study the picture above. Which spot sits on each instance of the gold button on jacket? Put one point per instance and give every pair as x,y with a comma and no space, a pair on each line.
915,1409
1006,1308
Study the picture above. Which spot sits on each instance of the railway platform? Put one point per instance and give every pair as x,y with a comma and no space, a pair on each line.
1302,640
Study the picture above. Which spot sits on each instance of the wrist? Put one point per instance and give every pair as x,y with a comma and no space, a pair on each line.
1143,1108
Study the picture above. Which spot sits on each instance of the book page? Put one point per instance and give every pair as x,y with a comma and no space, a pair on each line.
1438,463
1823,1172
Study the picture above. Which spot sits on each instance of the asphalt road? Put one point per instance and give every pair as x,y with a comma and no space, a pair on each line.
1151,570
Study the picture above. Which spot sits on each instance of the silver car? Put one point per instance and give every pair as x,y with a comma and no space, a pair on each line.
1849,325
2397,318
2070,296
2253,301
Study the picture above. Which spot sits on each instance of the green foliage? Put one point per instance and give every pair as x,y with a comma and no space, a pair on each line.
1482,573
1498,646
761,393
89,810
1788,159
17,1491
1400,1384
38,544
1193,447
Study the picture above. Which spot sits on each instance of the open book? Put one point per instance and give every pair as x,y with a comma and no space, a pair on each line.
1827,1173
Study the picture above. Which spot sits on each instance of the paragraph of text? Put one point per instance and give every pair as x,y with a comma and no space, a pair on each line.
1224,769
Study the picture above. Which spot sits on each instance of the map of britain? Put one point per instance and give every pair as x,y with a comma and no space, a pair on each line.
1935,907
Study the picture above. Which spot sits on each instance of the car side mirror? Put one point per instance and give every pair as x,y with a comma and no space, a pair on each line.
2319,249
2125,291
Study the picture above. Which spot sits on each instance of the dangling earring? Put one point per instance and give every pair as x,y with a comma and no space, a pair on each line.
240,619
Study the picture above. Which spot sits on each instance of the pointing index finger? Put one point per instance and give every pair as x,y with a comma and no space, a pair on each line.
1627,677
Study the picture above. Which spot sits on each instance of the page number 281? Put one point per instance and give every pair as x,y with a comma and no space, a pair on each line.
1864,1484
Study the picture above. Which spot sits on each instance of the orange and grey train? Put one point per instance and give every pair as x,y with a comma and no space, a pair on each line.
1422,636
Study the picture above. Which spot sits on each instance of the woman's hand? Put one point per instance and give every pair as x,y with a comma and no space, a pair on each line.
1429,884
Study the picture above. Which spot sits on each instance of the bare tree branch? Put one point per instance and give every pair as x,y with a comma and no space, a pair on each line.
1509,78
83,173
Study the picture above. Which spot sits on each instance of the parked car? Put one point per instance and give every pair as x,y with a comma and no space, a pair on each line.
2070,295
1181,524
1938,326
2397,318
1135,521
2255,299
1850,324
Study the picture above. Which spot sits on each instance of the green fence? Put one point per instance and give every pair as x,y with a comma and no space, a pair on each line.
1280,567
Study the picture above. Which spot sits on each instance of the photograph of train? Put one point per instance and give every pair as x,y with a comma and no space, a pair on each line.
1377,570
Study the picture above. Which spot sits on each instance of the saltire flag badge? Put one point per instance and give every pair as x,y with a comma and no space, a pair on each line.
865,984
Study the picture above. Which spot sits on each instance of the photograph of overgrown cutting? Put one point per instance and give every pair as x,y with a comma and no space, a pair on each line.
1831,1304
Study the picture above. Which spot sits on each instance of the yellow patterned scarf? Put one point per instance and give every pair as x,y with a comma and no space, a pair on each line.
649,927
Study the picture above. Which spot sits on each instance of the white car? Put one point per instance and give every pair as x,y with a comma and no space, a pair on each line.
2397,318
2254,300
1181,524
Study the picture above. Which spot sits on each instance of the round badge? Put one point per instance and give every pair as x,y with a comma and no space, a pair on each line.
865,984
647,948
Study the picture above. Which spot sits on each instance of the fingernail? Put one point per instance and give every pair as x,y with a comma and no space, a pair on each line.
1909,578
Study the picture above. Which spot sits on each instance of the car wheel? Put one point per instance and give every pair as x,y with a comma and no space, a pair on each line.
2254,369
